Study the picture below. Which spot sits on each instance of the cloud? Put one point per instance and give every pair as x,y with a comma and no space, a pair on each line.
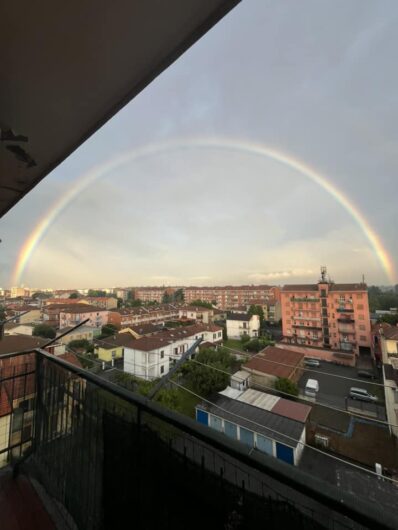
280,275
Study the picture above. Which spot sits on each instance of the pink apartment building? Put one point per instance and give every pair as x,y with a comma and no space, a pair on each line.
230,296
327,315
74,315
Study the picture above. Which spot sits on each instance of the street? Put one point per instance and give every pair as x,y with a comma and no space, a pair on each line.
334,391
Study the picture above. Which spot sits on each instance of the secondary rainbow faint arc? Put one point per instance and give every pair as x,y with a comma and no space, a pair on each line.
101,170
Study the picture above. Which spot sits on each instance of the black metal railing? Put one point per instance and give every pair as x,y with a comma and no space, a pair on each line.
110,456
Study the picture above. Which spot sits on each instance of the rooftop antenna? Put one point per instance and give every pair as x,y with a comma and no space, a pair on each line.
363,278
323,274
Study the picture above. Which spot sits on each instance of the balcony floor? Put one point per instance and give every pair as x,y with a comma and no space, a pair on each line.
20,506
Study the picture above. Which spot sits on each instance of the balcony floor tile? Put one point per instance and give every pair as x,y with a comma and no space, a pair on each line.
20,506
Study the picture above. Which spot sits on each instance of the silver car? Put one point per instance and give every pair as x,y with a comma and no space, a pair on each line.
362,395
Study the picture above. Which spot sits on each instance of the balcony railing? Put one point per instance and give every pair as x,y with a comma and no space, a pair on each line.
109,456
345,310
303,299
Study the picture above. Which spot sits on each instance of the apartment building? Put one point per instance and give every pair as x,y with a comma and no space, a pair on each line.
199,314
151,357
135,316
239,324
152,294
229,297
327,315
74,315
51,312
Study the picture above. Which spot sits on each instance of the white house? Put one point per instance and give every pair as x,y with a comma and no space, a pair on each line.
151,357
239,324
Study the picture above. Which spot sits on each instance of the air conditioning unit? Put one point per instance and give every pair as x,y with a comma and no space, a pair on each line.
322,441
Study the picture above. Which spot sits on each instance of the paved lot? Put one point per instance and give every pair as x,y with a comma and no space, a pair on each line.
334,391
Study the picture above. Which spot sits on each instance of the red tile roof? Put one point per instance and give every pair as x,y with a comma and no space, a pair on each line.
291,409
275,355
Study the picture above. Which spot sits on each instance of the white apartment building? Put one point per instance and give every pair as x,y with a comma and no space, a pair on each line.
239,324
151,357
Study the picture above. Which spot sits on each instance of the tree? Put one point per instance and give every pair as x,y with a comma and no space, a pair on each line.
41,295
178,296
2,313
45,331
79,344
96,293
108,329
204,380
244,338
224,333
257,310
201,303
285,385
73,296
166,298
390,319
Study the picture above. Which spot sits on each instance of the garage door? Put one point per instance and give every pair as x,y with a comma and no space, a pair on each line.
265,445
230,429
202,417
247,437
285,453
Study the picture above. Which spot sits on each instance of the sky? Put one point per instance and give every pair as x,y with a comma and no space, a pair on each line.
313,80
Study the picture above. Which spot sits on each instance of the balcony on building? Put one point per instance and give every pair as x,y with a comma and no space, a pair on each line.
99,455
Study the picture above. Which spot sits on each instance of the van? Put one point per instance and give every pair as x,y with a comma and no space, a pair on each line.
311,388
311,362
362,394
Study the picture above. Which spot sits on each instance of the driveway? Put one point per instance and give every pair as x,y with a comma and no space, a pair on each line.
334,391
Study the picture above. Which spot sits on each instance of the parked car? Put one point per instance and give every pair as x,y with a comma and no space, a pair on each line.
311,388
311,362
366,374
362,395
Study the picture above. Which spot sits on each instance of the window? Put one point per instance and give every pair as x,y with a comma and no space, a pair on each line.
362,327
362,338
162,354
113,354
360,306
361,317
359,296
162,369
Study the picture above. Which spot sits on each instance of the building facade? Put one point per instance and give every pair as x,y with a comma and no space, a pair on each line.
230,296
327,315
274,426
96,316
151,357
239,324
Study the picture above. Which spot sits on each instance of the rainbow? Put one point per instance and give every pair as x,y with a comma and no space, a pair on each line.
41,228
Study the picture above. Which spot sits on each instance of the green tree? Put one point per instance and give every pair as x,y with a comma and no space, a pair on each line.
96,293
108,329
285,385
2,313
390,319
201,303
257,310
73,296
79,344
204,380
224,333
178,296
167,298
45,331
244,338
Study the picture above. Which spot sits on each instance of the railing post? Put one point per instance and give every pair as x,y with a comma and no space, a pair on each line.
39,402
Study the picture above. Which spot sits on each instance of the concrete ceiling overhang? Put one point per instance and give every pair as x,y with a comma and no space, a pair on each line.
66,67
